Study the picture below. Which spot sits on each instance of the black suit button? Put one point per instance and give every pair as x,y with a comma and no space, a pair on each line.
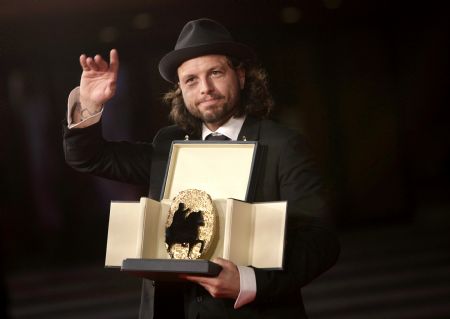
199,299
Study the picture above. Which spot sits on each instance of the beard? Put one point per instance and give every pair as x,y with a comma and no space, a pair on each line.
218,113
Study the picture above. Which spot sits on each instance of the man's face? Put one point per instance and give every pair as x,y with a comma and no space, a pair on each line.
211,88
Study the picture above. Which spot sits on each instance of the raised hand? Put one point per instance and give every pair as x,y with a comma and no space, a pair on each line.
98,83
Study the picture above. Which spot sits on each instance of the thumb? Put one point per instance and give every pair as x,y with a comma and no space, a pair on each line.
114,61
222,262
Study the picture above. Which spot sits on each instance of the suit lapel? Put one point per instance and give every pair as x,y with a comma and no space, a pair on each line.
191,137
250,129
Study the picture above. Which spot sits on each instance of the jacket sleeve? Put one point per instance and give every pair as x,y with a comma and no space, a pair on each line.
86,151
312,246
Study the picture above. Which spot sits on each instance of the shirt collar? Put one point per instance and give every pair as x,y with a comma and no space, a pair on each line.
230,129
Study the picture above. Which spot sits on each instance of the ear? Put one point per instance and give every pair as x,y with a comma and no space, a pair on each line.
241,77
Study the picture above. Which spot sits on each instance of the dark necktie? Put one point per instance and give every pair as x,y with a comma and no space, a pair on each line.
219,137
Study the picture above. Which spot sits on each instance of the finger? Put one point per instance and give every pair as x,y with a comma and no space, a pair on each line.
114,61
83,63
197,279
102,65
91,64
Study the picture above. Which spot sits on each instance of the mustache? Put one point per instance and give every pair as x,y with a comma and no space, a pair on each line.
209,98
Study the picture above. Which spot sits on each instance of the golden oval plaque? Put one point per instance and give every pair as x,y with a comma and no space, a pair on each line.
191,225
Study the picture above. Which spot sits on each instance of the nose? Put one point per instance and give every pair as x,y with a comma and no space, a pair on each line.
206,86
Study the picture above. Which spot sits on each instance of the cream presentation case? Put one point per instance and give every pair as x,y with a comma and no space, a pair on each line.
248,234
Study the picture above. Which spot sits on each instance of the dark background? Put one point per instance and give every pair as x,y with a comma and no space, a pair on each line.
365,81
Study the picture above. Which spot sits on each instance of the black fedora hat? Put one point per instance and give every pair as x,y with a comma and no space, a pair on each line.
201,37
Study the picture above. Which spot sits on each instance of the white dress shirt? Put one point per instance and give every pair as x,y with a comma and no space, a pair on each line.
230,129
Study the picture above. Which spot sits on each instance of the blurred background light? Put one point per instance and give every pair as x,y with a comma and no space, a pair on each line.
142,21
108,34
290,15
332,4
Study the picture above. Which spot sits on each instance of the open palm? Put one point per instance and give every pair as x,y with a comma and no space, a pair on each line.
98,80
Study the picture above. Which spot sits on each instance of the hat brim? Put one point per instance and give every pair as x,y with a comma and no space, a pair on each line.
169,64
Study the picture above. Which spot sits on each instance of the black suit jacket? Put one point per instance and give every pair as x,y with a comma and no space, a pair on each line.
286,171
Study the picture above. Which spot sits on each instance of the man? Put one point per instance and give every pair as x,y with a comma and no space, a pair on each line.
218,92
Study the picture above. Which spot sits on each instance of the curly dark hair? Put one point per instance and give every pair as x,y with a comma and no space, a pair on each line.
255,99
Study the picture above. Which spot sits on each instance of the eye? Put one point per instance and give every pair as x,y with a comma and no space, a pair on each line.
216,73
189,81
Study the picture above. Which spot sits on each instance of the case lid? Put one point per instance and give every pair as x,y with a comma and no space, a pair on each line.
222,169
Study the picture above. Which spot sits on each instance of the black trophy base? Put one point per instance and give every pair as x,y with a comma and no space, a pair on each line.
169,269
